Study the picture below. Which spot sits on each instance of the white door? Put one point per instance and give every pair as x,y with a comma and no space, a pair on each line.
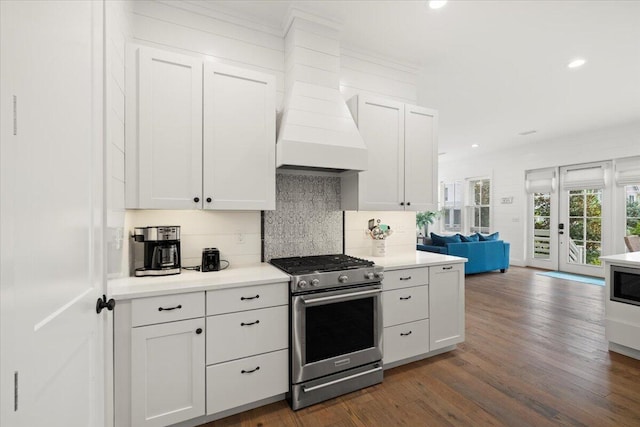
381,124
239,139
421,159
584,225
51,213
169,130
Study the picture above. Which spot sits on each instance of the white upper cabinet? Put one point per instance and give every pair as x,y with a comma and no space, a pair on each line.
402,150
239,139
169,119
199,142
420,158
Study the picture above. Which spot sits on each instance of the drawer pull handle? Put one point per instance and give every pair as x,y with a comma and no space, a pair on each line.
170,308
405,298
402,334
250,323
406,278
250,371
447,268
249,298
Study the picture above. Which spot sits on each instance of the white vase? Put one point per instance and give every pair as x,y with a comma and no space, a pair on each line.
378,247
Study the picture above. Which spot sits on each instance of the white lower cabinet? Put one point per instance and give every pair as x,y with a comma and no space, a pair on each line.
405,341
167,363
200,355
247,349
405,314
246,332
423,311
446,305
238,382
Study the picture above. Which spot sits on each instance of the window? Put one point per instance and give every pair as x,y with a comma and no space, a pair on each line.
451,206
480,191
542,225
585,226
633,209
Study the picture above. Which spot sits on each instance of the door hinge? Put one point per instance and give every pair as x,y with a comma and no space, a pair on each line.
15,391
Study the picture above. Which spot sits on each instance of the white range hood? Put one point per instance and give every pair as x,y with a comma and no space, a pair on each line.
315,128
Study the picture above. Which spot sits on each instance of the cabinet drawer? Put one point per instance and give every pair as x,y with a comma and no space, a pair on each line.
167,308
247,298
404,278
405,305
247,333
407,340
243,381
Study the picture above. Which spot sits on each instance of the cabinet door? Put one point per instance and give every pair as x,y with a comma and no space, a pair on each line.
239,139
446,305
169,130
421,159
167,373
381,124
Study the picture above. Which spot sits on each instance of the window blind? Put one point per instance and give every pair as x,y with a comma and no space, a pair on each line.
540,181
580,178
628,171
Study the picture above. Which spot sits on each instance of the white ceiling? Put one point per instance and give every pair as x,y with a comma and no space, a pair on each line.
497,68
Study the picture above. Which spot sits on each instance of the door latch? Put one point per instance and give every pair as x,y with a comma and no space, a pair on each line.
103,303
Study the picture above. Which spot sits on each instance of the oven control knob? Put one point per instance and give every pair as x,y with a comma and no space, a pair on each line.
302,284
380,275
343,278
315,282
369,276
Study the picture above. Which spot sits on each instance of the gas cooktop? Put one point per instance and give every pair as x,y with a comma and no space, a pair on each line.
319,263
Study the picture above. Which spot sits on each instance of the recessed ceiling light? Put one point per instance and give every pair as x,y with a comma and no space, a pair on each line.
475,146
576,63
437,4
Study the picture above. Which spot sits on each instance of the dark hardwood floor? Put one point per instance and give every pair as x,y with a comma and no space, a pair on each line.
535,355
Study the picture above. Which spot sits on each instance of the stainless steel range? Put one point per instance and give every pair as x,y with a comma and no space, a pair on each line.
335,326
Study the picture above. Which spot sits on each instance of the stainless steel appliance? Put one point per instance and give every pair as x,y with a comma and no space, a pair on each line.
336,326
161,250
625,284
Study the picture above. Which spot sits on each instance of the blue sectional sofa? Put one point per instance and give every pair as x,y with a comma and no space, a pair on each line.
482,255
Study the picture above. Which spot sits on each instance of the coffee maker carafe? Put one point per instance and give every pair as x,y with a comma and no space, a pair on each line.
161,250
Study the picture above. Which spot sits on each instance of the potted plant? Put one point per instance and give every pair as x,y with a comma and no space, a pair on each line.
423,220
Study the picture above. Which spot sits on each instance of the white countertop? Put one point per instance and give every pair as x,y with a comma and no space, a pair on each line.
193,281
257,274
631,259
417,259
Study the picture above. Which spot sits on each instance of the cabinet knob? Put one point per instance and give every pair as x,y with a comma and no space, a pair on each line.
408,203
199,331
196,199
401,203
209,199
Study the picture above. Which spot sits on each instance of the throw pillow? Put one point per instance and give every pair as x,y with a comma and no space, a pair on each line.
443,240
485,237
471,238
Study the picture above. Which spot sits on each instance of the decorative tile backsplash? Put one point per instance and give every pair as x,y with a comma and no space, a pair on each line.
307,219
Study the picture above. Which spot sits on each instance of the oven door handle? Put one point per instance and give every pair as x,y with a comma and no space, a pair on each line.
307,300
350,377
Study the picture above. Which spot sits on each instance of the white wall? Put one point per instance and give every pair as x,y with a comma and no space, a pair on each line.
506,168
402,240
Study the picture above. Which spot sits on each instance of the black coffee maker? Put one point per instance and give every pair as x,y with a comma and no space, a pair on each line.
161,250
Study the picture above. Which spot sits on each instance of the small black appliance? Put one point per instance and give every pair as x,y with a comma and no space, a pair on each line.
210,259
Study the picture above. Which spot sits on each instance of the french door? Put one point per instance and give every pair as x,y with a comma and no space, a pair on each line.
584,218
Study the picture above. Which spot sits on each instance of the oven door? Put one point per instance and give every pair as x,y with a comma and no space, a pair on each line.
335,331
